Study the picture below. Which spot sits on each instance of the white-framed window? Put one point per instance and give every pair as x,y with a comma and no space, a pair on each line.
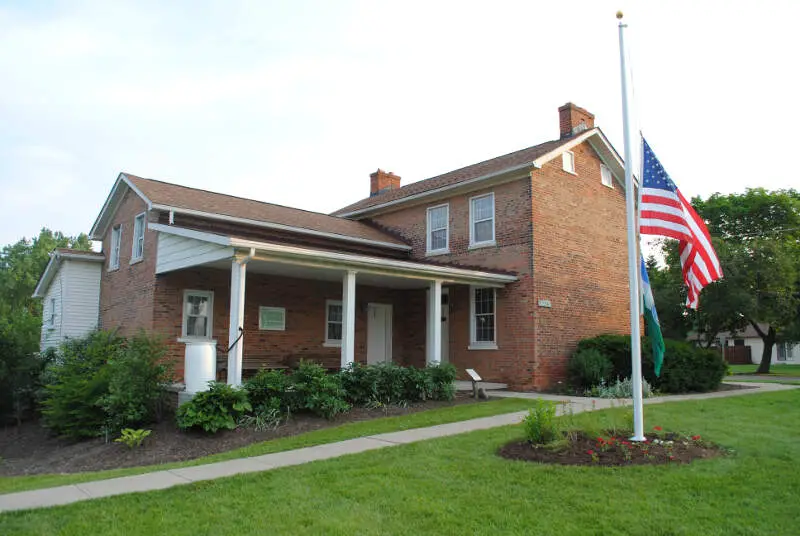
439,229
568,161
116,240
137,250
51,317
605,176
272,318
785,351
483,314
198,314
333,322
481,220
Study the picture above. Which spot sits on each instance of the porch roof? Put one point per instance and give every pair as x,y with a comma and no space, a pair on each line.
180,247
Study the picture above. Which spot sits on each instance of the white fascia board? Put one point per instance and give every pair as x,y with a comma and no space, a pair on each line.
83,258
465,185
545,158
99,227
280,227
203,236
44,281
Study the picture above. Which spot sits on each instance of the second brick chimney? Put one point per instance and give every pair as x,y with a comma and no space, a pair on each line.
574,119
382,181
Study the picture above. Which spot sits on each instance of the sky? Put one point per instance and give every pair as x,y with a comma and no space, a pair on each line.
297,102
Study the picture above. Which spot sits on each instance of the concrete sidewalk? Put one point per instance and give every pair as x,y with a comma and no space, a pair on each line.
165,479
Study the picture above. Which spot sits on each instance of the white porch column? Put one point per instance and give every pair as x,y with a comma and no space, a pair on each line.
238,277
433,350
348,318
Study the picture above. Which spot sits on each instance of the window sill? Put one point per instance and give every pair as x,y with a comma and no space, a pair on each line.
332,344
568,171
136,261
112,269
437,252
611,186
480,245
482,346
196,340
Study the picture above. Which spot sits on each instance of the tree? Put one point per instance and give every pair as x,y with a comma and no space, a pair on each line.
757,237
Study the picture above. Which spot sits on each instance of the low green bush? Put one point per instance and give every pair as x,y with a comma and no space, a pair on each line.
314,390
269,389
540,423
218,408
443,377
387,383
686,368
619,388
132,438
589,367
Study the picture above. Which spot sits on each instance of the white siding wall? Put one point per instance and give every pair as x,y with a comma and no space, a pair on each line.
51,333
176,252
81,308
757,347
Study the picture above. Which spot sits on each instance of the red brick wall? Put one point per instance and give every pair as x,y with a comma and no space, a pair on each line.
580,260
126,294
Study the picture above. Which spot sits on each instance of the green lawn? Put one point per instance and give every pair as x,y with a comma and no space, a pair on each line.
328,435
457,485
778,370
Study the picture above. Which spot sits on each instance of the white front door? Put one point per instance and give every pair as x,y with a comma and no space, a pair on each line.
379,333
445,325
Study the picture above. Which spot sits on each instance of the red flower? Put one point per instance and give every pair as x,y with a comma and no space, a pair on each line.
657,428
695,438
590,452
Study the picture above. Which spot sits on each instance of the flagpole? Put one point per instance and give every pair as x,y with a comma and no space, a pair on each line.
633,252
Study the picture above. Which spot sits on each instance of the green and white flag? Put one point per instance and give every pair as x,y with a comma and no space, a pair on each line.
651,317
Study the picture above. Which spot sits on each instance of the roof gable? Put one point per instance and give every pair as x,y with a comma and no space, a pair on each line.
53,265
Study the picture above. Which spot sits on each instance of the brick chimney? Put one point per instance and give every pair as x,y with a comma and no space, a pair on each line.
574,119
382,181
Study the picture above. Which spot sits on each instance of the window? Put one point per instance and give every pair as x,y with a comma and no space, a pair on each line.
568,161
438,229
116,238
333,323
481,216
138,238
785,351
198,310
272,318
605,176
483,327
51,318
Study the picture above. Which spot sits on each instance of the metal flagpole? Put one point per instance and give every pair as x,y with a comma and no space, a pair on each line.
633,250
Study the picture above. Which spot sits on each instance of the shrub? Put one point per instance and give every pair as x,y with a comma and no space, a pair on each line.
270,389
386,383
219,407
589,367
20,365
686,368
539,424
77,381
263,419
621,388
132,438
442,378
137,381
315,390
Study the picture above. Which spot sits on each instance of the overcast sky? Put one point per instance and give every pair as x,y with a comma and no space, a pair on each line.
297,102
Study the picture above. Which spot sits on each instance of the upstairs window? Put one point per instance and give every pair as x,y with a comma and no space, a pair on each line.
116,239
568,161
481,216
198,310
605,176
138,238
438,229
483,328
333,323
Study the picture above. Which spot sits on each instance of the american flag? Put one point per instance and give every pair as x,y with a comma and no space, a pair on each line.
665,212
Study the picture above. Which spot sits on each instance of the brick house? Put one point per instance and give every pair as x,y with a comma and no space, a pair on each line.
502,266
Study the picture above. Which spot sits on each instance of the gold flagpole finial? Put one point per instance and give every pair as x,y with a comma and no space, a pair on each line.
619,15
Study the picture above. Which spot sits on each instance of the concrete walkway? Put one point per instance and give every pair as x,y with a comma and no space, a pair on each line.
175,477
762,378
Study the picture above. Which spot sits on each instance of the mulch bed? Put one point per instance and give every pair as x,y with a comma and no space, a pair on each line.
30,449
585,450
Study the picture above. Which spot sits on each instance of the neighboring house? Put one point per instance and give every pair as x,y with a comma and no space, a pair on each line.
70,292
747,338
502,266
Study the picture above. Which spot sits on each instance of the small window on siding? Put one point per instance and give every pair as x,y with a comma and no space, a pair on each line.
605,176
116,239
51,317
198,313
438,229
272,318
333,322
568,161
138,238
481,215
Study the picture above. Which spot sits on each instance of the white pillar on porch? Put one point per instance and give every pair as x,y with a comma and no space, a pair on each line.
235,342
433,350
348,318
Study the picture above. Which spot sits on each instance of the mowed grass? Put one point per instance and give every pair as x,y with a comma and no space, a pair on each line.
457,485
778,370
328,435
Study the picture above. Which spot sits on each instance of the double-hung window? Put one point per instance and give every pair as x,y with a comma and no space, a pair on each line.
605,176
439,229
198,313
116,239
481,220
483,325
333,323
137,250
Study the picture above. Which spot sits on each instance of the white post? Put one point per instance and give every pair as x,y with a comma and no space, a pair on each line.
238,277
633,250
348,318
433,352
